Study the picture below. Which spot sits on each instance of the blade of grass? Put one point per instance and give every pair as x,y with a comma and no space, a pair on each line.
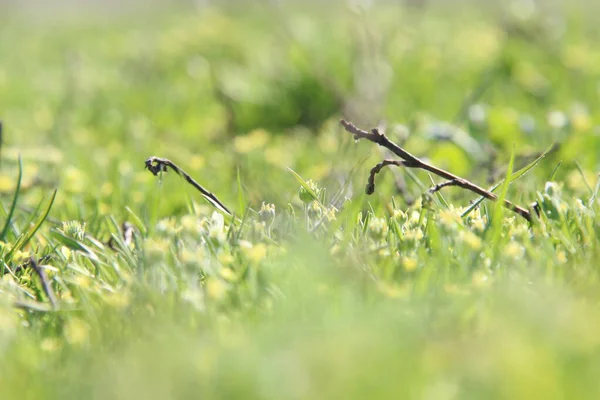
137,221
13,205
553,174
241,199
26,237
595,193
74,244
496,225
520,173
305,185
439,196
587,184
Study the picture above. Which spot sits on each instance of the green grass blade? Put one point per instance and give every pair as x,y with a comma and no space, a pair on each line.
520,173
74,244
26,237
305,185
595,193
137,221
13,205
555,170
438,195
587,184
241,199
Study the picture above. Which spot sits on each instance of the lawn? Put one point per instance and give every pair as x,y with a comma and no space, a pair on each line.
285,279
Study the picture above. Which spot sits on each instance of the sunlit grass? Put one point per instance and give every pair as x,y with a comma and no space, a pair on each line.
312,289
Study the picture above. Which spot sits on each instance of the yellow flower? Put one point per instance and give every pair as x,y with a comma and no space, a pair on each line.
215,288
226,258
480,280
106,189
514,250
581,121
254,140
76,332
7,183
190,224
50,344
414,234
256,253
227,274
278,156
561,256
409,263
118,300
450,218
393,291
75,180
197,162
378,228
470,239
478,223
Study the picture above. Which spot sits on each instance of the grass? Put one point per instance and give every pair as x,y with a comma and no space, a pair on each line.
313,289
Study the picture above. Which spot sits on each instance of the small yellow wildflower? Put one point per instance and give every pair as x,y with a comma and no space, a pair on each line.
393,291
256,253
227,274
76,332
481,280
50,344
378,228
514,250
215,288
414,234
409,263
118,300
450,218
470,239
254,140
197,162
107,189
226,259
190,224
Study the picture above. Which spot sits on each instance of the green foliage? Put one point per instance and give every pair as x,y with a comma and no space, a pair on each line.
314,290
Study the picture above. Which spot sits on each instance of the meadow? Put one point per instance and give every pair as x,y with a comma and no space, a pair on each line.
120,280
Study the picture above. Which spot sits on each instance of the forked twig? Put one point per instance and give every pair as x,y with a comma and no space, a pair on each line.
370,188
410,161
157,164
442,185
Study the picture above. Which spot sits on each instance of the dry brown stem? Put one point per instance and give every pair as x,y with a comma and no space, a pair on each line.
410,161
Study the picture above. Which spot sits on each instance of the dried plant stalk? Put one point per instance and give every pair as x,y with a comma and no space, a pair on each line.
410,161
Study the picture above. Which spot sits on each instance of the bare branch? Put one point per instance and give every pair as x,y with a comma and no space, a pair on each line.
157,164
45,282
411,161
442,185
370,188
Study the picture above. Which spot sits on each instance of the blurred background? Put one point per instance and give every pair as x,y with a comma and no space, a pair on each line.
458,81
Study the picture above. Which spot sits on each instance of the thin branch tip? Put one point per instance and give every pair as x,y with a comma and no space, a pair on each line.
156,164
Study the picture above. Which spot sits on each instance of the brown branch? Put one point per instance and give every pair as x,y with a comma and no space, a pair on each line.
411,161
156,165
442,185
370,188
45,282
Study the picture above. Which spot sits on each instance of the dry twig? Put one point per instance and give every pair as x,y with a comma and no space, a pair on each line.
156,165
410,161
45,282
